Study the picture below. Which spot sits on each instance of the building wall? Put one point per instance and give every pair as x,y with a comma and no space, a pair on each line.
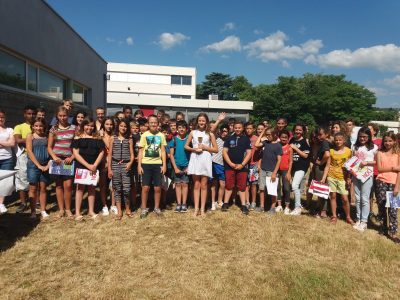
34,30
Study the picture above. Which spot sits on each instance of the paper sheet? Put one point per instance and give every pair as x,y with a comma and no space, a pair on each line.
272,187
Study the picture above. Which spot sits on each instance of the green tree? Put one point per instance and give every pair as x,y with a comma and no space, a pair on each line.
215,83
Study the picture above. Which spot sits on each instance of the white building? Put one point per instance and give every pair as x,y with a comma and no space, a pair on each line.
172,89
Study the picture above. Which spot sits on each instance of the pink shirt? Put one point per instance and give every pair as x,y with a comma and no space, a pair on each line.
388,160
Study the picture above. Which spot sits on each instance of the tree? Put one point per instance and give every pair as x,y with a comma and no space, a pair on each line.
215,83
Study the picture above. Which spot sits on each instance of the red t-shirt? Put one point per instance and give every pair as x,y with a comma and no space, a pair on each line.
284,166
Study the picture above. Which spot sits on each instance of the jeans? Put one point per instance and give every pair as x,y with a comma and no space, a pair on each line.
362,192
283,187
7,164
296,181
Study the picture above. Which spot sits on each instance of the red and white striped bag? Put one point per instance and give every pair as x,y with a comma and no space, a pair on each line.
319,189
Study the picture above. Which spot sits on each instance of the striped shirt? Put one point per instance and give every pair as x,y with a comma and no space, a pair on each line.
63,139
217,157
120,150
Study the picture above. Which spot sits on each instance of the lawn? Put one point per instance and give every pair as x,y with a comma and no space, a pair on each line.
178,256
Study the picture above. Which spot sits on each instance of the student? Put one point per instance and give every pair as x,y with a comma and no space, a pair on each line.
88,149
41,113
138,114
281,124
337,177
231,123
59,148
172,129
388,179
165,119
180,161
201,143
127,111
119,116
68,104
179,116
120,158
365,150
21,131
107,129
284,172
78,118
352,130
301,162
100,114
135,184
38,166
340,126
152,164
374,128
269,164
160,114
143,125
168,174
7,142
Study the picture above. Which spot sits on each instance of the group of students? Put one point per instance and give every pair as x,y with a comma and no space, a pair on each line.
133,153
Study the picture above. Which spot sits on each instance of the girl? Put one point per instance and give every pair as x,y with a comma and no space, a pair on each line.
59,148
200,164
120,157
7,143
78,118
38,166
388,179
340,126
337,177
365,150
301,162
88,149
284,172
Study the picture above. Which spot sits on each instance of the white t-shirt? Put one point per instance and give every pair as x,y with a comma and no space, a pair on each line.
364,154
5,152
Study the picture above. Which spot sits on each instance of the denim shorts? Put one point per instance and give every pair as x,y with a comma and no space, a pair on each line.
7,164
218,171
35,175
181,177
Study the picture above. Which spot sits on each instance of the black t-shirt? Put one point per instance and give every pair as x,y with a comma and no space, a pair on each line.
270,155
89,149
237,146
324,146
300,163
135,141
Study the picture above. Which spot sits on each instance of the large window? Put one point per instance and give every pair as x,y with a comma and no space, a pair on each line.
51,85
181,97
181,80
79,93
12,71
32,78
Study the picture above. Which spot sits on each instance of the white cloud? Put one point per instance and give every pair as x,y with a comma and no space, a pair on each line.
258,31
380,57
230,43
285,64
168,40
110,40
378,91
228,26
273,48
392,82
129,40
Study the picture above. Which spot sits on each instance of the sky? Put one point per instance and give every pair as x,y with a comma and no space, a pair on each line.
261,40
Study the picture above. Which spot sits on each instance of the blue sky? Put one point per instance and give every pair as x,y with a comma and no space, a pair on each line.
258,39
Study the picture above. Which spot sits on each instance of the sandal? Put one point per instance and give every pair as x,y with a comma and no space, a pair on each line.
69,214
333,220
78,218
350,221
202,213
118,217
60,215
196,212
129,214
93,217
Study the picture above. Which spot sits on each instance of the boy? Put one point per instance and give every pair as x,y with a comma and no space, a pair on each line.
69,105
172,129
21,131
135,182
179,116
165,130
143,125
180,161
152,164
236,153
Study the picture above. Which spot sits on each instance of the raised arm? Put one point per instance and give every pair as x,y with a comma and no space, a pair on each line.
220,118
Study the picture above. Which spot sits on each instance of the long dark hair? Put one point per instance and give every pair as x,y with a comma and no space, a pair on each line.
86,121
102,127
128,128
369,144
75,121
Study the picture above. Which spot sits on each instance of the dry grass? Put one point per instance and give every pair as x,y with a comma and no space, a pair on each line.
222,256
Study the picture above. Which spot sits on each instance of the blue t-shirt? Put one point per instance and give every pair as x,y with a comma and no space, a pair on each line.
181,156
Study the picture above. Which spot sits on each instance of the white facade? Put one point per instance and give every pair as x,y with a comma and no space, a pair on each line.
151,87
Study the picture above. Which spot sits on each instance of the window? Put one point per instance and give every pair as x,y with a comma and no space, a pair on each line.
32,78
51,85
181,97
12,71
181,80
79,93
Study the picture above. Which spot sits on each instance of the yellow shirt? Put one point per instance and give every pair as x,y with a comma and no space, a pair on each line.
23,129
151,144
337,162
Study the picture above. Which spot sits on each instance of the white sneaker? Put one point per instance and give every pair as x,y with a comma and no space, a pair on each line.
296,211
44,214
114,210
356,225
362,227
3,209
279,208
287,211
105,211
214,206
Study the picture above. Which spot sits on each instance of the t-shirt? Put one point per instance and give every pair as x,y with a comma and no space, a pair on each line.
89,149
324,146
366,155
337,161
300,163
136,141
62,140
237,146
284,166
271,151
151,144
181,156
256,153
23,129
217,157
5,152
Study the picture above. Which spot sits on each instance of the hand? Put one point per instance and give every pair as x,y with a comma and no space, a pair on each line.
92,168
363,164
46,168
140,170
177,171
163,169
185,171
57,160
396,191
293,146
232,165
323,180
238,167
221,116
198,150
68,160
128,166
273,177
42,168
288,177
110,174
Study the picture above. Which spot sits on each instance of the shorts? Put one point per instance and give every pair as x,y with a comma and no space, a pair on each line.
21,177
235,178
35,175
218,171
136,178
181,177
151,175
253,174
337,186
263,177
7,164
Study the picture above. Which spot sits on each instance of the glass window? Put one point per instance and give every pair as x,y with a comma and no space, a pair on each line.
32,78
187,80
51,85
181,97
12,71
175,79
78,93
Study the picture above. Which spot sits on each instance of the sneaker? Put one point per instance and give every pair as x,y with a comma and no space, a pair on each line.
248,205
355,226
279,208
178,209
245,210
144,213
21,208
114,210
214,206
253,206
183,208
225,207
272,212
259,209
158,212
296,211
3,209
44,214
286,211
362,227
105,211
